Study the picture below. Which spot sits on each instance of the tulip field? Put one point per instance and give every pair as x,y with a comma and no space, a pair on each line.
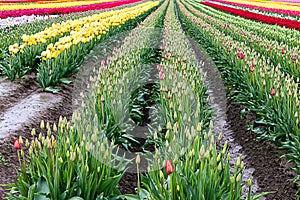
140,99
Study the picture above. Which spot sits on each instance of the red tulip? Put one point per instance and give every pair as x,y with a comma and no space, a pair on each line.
282,51
169,167
17,144
273,92
230,44
294,58
271,47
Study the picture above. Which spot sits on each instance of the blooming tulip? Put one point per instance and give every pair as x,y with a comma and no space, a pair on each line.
17,144
169,167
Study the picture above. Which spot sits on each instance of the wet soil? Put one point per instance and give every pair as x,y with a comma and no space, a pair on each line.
271,172
8,155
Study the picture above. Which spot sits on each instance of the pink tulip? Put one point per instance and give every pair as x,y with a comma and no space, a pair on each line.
169,167
294,58
273,92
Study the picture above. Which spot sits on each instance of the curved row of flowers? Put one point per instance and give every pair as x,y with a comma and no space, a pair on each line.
287,12
66,38
48,5
260,86
11,35
293,24
249,8
278,5
195,169
279,53
75,159
66,10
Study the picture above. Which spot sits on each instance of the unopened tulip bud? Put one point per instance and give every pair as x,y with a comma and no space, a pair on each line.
249,182
138,159
42,124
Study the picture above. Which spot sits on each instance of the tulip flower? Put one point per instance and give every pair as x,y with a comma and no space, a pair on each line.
241,55
251,68
294,58
169,167
17,144
273,92
283,51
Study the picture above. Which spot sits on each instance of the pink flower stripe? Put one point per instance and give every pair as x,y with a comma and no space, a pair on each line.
52,11
293,24
280,11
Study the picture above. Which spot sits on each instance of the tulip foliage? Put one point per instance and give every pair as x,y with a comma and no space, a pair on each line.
77,159
71,36
257,78
196,169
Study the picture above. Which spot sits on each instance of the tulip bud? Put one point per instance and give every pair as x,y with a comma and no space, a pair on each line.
42,124
249,182
138,159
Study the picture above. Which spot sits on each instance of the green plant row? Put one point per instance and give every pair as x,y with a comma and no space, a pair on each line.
273,32
81,162
278,53
262,89
186,164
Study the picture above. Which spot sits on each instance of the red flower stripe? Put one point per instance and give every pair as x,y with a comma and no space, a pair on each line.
52,11
293,24
273,10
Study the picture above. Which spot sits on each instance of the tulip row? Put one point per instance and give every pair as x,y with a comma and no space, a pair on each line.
276,52
257,83
281,5
11,35
272,14
293,24
82,163
26,56
49,5
288,12
194,169
64,58
51,11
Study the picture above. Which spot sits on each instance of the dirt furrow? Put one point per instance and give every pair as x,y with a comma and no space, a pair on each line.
12,92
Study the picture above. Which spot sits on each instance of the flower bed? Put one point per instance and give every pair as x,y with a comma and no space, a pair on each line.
293,24
271,10
258,85
49,11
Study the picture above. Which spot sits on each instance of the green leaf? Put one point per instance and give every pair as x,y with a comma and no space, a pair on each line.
52,89
76,198
65,81
42,186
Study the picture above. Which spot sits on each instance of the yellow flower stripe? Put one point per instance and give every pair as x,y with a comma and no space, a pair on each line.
97,26
56,30
270,4
49,5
